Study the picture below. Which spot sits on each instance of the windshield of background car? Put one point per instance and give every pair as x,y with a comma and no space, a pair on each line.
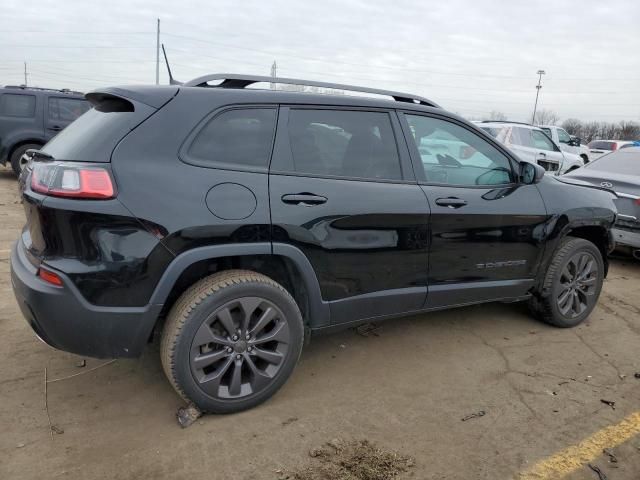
625,161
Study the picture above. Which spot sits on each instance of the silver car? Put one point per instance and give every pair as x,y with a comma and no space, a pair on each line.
532,145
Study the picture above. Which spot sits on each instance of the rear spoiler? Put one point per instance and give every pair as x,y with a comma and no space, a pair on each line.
152,96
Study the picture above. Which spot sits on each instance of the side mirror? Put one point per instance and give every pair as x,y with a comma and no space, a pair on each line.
574,142
530,173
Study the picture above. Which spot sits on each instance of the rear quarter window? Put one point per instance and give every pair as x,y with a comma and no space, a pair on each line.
17,105
234,138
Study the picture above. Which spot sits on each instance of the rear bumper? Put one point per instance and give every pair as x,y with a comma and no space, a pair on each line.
62,318
626,238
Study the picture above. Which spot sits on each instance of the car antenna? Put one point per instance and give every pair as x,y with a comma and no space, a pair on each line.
172,81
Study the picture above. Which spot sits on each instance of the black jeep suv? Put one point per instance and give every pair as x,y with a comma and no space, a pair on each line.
29,117
238,221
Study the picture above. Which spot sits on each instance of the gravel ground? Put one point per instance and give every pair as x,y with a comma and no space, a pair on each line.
400,394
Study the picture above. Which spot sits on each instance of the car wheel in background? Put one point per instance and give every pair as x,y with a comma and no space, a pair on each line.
18,159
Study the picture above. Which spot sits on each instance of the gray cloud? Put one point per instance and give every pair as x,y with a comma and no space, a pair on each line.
471,57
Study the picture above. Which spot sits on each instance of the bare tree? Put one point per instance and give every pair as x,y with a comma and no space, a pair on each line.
590,131
546,117
610,131
497,116
629,131
573,126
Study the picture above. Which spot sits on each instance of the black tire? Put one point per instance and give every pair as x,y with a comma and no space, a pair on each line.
16,164
241,301
563,301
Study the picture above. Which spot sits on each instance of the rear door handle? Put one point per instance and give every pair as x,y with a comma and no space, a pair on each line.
308,199
451,202
55,128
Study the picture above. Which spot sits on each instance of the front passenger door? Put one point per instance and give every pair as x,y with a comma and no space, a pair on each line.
549,155
486,229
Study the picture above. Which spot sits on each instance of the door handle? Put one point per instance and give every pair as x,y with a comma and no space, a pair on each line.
55,128
451,202
308,199
542,154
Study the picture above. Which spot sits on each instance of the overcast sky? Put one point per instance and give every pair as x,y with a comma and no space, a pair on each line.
472,57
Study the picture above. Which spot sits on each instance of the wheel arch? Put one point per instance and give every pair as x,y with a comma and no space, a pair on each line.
596,234
283,263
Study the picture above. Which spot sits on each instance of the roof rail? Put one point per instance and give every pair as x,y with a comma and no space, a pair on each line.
507,121
231,80
61,90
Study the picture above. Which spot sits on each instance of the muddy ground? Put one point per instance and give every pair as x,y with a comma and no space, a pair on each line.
405,391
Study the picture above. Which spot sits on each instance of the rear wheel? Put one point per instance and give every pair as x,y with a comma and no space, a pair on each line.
231,341
572,284
18,159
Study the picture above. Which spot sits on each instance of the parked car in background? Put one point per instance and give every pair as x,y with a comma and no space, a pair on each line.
566,142
30,117
238,221
597,148
533,145
620,172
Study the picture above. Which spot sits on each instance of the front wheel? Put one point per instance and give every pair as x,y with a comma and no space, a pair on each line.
572,284
231,341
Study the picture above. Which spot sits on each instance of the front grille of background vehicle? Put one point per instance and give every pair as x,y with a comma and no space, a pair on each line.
548,166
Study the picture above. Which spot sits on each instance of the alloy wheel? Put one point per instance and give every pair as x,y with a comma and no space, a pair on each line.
578,283
239,348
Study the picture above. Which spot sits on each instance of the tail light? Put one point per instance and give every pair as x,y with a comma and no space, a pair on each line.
614,146
72,180
50,277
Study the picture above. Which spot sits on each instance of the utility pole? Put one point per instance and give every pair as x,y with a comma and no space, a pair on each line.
158,53
25,74
274,74
538,87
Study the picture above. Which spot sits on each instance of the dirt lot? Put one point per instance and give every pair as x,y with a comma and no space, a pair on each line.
405,390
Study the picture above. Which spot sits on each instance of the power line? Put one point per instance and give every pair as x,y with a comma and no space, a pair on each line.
111,33
375,66
78,46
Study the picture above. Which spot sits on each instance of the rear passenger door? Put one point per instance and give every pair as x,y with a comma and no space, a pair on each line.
486,228
342,191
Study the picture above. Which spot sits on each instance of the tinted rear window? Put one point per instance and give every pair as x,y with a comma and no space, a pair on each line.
17,105
600,145
94,135
623,161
